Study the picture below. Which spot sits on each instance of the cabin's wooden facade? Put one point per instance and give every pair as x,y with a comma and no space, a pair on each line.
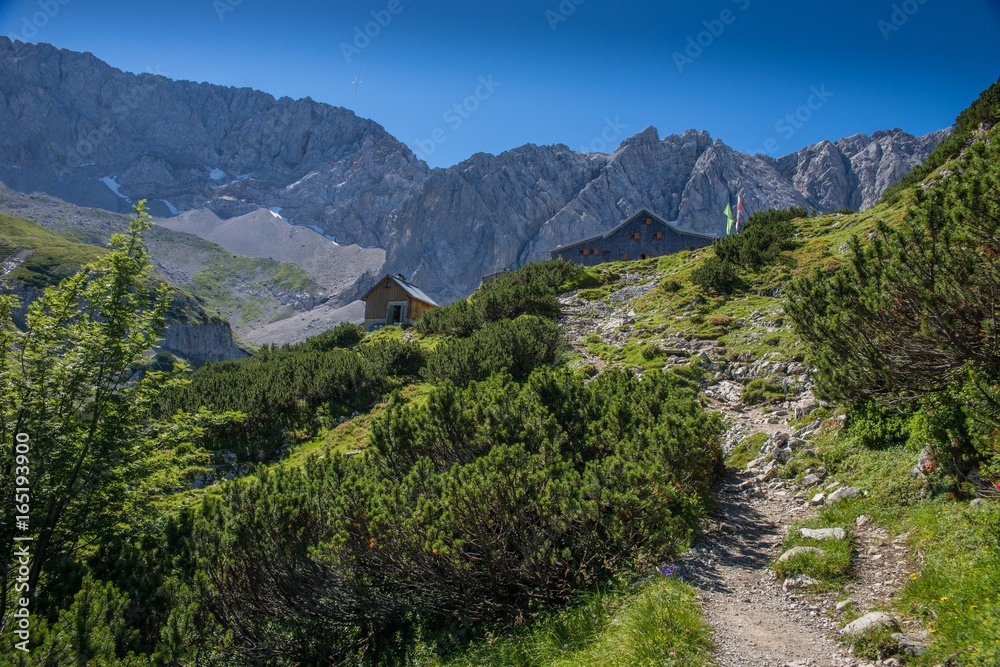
394,301
643,236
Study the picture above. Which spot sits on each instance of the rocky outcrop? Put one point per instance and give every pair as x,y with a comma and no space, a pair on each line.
854,172
201,342
194,341
85,132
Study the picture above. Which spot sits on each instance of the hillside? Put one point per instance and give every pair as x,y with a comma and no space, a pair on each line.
229,153
251,293
35,258
919,548
780,449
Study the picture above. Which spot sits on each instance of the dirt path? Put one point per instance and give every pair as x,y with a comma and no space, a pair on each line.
757,621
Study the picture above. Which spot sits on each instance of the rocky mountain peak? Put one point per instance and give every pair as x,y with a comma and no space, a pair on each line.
93,135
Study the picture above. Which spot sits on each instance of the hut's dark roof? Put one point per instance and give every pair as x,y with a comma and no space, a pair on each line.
644,213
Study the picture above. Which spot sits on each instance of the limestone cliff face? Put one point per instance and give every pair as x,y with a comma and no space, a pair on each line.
196,342
854,172
199,343
80,130
495,212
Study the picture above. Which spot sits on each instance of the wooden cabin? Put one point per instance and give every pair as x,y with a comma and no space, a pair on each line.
394,301
643,236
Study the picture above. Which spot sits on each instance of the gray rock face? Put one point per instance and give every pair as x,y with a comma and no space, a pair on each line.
71,120
92,135
854,172
199,343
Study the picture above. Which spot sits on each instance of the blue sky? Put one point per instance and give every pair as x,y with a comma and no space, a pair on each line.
454,78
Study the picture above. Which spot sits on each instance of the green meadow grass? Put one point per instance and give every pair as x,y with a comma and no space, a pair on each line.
658,624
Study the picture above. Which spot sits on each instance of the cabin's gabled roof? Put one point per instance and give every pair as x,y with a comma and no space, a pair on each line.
409,288
644,213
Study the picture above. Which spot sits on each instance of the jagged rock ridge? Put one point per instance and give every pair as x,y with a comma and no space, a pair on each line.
85,132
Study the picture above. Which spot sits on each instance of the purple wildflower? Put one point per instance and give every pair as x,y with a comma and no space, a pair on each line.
668,570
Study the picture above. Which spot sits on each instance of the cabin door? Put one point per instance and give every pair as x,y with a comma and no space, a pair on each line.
397,313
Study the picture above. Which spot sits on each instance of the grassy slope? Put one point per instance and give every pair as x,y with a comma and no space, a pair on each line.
54,258
238,288
637,623
956,591
643,622
656,621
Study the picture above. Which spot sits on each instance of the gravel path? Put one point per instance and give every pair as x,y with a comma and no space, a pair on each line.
757,624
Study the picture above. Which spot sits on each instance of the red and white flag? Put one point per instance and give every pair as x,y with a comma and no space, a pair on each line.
739,211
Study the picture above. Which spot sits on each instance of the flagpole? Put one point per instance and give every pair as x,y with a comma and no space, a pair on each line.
739,210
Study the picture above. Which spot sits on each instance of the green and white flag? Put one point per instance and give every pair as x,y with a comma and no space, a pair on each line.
729,217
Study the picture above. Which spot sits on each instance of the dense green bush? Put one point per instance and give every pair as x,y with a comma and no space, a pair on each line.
516,346
486,504
293,387
765,236
912,316
344,335
713,273
531,290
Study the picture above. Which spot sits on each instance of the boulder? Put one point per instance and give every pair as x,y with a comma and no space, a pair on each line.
811,480
795,551
877,620
909,645
842,493
795,444
783,455
824,533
